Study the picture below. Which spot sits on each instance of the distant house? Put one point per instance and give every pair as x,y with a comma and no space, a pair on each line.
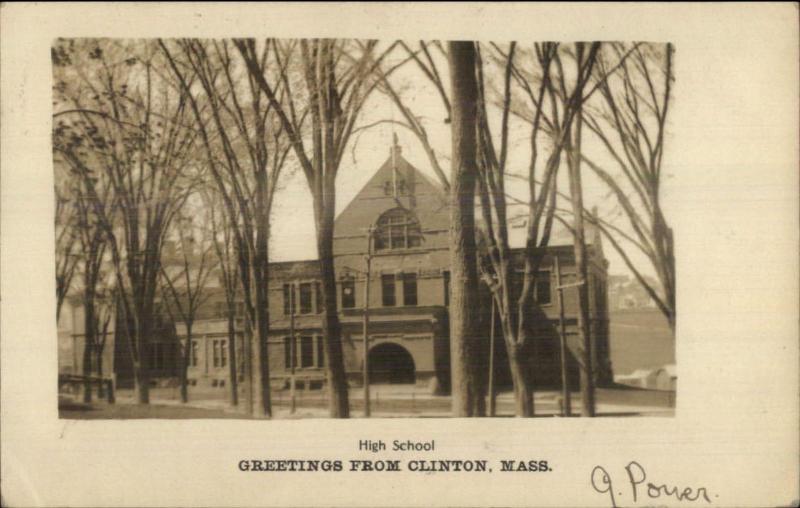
663,378
409,299
625,292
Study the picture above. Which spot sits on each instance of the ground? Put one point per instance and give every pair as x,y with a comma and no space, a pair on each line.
387,401
640,339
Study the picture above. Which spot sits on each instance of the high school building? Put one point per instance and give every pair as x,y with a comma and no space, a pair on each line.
408,300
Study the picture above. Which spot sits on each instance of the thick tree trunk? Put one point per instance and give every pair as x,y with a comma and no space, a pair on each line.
261,283
339,404
248,361
142,367
468,394
185,364
142,385
262,399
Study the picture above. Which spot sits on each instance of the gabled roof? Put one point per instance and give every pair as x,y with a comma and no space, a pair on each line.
415,192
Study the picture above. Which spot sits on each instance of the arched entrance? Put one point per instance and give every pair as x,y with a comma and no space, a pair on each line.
391,363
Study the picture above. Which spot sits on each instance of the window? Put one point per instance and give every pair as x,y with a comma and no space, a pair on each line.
223,353
388,187
287,352
318,296
216,354
543,296
193,354
287,299
219,353
397,229
409,289
320,352
348,294
446,280
306,351
305,298
387,290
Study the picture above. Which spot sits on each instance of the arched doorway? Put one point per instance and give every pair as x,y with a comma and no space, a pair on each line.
391,363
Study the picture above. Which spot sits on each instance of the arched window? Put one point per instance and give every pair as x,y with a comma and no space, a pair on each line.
397,229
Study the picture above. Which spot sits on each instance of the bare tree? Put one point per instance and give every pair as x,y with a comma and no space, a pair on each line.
514,306
184,281
66,237
92,243
118,123
584,63
246,149
468,397
106,307
228,270
631,124
336,78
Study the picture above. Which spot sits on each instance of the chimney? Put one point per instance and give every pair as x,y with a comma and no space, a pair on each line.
396,149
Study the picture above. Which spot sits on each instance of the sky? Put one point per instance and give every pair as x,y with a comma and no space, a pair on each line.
293,236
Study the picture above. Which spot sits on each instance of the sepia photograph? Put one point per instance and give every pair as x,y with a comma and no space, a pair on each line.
356,254
300,228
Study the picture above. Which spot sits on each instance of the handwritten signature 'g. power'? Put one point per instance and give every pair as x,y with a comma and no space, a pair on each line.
602,483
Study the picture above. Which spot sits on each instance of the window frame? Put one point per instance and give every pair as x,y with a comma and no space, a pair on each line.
193,356
388,298
308,352
302,309
397,229
320,351
407,279
345,283
288,290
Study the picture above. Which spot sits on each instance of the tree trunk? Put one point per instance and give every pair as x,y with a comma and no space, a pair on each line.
234,381
101,390
142,367
88,342
142,385
339,403
584,332
185,364
468,394
519,364
261,285
262,385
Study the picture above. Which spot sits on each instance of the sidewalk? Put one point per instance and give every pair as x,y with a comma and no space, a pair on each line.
386,401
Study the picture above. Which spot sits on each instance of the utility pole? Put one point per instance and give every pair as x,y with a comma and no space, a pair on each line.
292,351
566,396
492,394
368,260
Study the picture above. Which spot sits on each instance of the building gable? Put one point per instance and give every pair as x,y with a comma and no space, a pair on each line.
396,184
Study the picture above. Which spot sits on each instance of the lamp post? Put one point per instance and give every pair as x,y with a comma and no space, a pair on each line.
368,260
566,397
492,394
292,351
